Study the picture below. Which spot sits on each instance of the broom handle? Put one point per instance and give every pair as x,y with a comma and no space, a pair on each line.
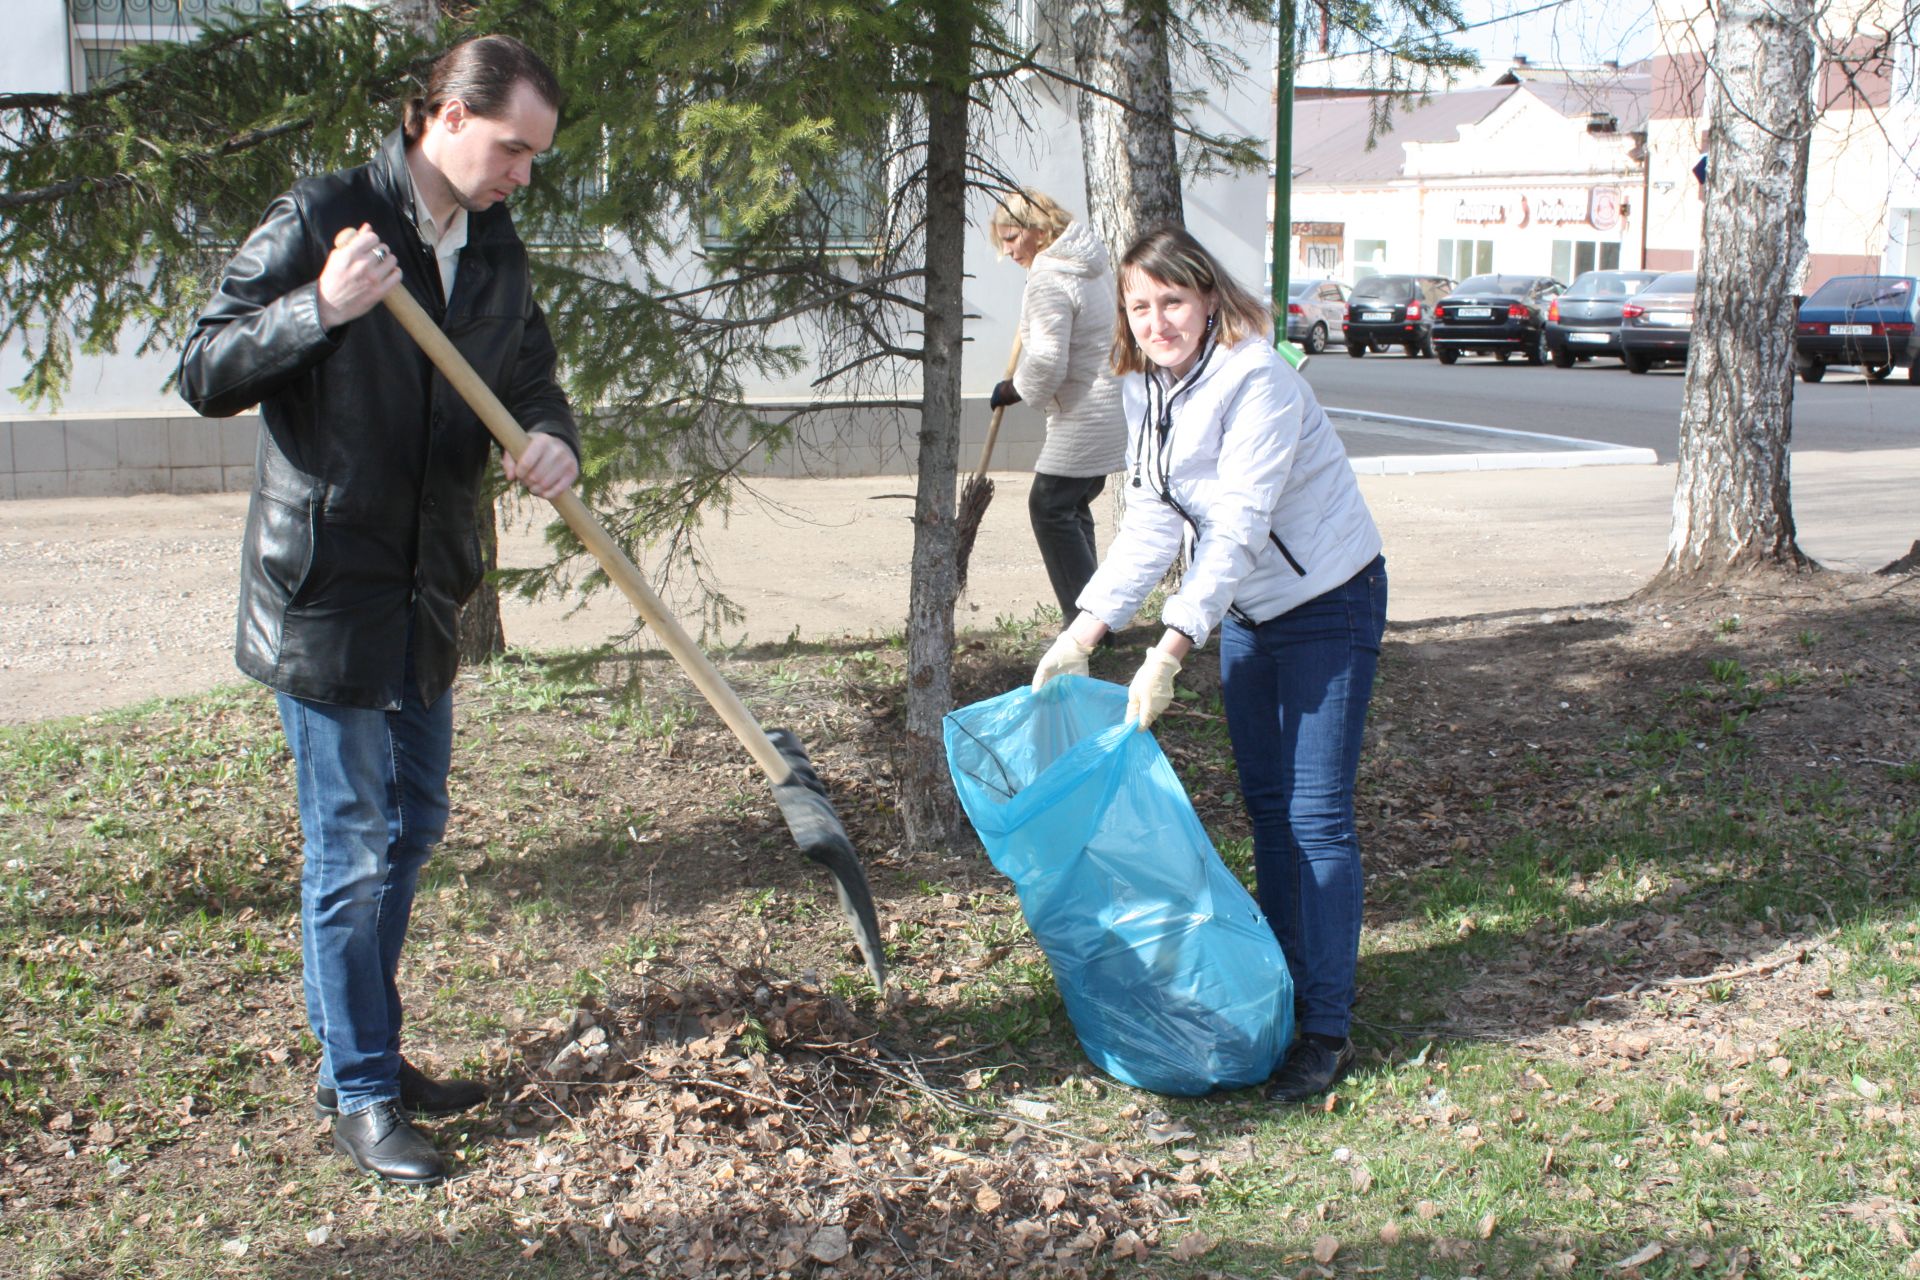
993,428
513,438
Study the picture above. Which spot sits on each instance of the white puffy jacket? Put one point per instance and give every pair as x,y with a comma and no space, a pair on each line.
1066,335
1252,465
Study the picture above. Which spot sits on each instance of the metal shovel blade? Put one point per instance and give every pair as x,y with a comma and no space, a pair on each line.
817,830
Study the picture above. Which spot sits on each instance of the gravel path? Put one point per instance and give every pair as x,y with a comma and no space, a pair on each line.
106,602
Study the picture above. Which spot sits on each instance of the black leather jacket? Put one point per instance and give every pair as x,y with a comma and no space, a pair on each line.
361,528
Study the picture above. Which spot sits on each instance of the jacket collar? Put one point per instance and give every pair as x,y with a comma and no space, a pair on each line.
390,176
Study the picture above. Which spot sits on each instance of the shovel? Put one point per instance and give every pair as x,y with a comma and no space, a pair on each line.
796,787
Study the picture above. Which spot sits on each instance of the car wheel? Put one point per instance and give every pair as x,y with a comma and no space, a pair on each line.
1812,372
1536,351
1635,362
1913,373
1316,339
1356,347
1879,372
1445,355
1563,358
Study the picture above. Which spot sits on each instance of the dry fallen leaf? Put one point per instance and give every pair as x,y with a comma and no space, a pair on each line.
1390,1234
986,1199
1194,1244
1427,1210
1170,1131
1362,1179
1324,1249
1487,1224
829,1244
1641,1258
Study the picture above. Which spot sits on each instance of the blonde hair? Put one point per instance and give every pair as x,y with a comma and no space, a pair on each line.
1029,210
1173,257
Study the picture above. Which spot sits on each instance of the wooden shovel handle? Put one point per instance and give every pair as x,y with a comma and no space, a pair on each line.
513,438
993,427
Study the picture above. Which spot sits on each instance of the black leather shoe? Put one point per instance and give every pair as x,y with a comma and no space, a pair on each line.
420,1094
1312,1067
381,1142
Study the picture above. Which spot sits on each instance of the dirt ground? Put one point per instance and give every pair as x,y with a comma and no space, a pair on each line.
106,602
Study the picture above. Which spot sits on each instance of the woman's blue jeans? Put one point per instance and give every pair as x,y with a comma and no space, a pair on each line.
1296,689
373,803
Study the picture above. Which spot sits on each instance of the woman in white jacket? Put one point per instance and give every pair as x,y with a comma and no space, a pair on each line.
1066,330
1228,442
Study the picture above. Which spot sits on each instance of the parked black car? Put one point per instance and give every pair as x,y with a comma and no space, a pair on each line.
1584,322
1496,315
1656,325
1869,321
1393,311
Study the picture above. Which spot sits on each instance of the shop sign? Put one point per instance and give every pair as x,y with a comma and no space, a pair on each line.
1319,229
1548,207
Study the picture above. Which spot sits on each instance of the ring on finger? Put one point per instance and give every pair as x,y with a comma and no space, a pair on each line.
380,253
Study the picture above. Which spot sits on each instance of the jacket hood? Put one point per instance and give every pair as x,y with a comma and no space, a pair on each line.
1076,252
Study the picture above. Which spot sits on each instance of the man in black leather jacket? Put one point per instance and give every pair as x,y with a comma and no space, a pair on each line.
360,543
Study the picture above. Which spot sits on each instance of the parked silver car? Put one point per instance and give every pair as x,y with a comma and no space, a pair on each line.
1315,309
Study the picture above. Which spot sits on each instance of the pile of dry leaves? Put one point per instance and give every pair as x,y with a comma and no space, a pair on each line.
752,1125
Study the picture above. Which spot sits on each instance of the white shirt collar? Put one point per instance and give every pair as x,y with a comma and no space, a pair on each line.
447,242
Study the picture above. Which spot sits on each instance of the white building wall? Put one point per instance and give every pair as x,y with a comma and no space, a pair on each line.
109,392
1521,180
34,56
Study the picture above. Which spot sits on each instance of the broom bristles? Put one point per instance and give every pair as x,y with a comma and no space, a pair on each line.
973,509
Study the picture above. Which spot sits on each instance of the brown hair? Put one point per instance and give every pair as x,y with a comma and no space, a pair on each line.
480,72
1171,256
1030,210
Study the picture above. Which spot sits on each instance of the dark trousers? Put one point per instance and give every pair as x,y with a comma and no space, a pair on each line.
1061,509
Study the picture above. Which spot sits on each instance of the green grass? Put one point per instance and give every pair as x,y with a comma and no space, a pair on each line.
1503,1120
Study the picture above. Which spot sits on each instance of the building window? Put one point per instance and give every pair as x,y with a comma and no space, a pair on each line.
1036,27
103,29
1369,258
843,218
1462,258
1576,257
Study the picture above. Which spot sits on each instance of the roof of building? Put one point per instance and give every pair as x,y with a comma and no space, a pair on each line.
1330,133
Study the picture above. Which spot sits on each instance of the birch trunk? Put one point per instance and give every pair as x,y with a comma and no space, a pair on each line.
1732,504
1126,128
927,806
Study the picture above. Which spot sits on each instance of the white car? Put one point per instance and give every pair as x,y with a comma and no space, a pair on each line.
1315,309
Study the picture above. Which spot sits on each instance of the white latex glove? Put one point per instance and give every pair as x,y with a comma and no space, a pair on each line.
1066,657
1152,689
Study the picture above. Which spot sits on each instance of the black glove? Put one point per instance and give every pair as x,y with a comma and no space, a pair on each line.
1003,395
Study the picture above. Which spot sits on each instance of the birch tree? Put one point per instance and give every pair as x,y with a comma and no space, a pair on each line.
1732,504
1126,111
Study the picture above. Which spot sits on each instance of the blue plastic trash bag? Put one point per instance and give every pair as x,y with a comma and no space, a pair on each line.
1172,978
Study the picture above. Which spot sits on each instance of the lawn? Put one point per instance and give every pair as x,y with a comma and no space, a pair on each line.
1638,984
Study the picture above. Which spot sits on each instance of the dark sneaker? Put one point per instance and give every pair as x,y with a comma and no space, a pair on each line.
381,1142
1312,1067
420,1095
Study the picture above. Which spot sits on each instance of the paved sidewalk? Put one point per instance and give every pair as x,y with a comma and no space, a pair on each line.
104,602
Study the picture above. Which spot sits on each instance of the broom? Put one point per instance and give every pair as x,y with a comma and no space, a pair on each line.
979,490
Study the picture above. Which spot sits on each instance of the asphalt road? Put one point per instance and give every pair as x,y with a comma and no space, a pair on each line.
1600,400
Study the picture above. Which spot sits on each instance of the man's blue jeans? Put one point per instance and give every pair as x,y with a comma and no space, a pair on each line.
373,803
1296,689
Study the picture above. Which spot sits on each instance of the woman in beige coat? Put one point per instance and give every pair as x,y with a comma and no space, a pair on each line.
1066,335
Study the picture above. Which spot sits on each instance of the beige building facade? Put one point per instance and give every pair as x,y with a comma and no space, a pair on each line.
1552,171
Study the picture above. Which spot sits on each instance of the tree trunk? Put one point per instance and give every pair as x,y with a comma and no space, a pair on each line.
1732,505
1126,129
481,635
927,803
